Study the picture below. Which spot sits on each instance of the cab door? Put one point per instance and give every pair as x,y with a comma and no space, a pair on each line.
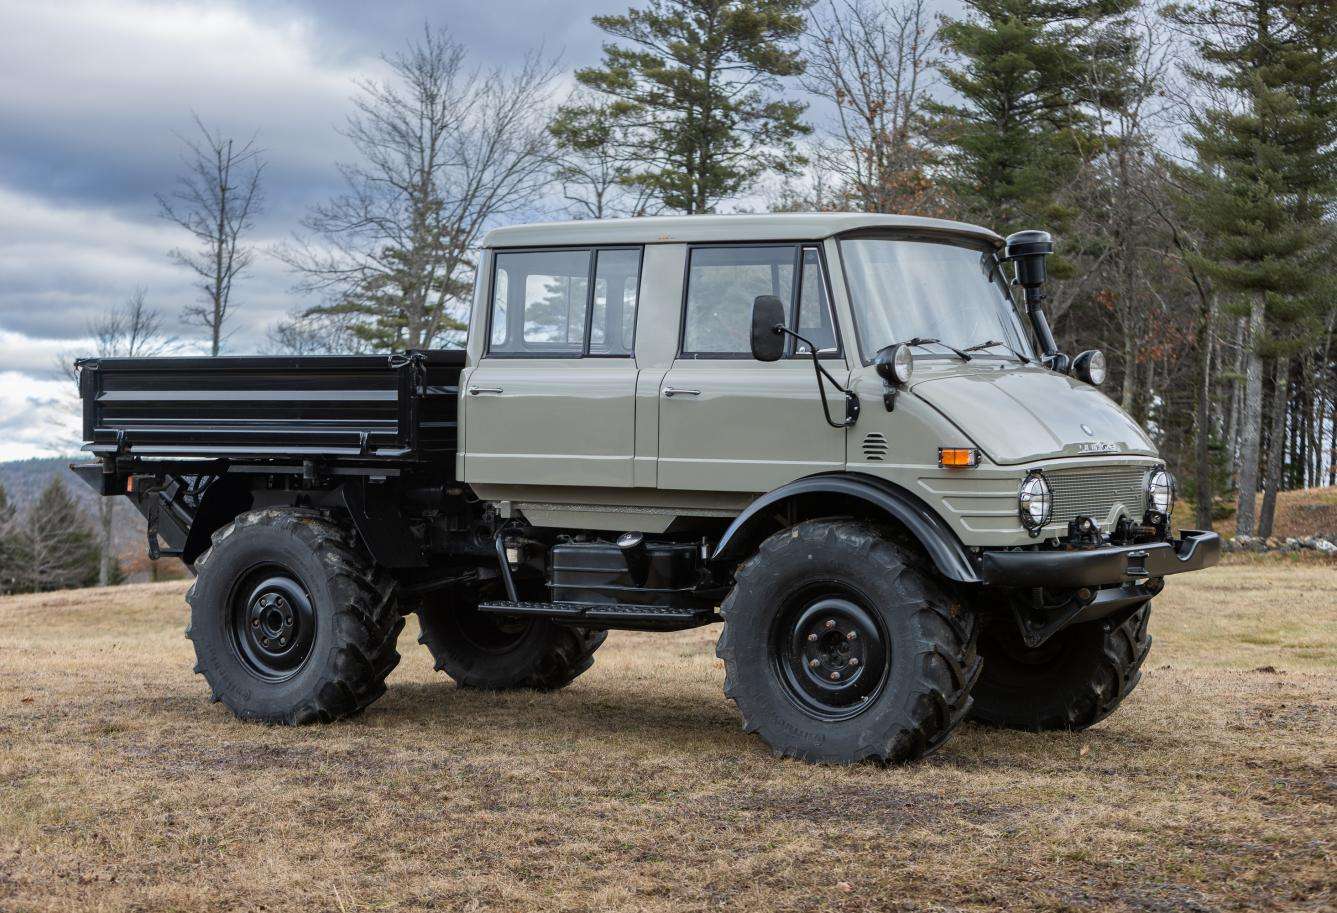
728,422
552,400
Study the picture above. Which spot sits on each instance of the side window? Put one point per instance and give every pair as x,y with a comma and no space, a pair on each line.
541,302
500,287
613,311
814,308
722,283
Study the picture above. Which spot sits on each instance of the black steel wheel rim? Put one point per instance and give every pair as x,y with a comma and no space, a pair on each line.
831,654
273,623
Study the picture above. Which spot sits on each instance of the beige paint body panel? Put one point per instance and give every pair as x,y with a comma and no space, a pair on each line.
742,425
553,421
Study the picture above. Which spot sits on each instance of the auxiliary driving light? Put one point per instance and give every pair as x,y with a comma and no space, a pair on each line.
1161,491
1035,502
895,364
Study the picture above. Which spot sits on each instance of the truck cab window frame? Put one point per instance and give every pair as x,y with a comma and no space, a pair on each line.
790,287
509,316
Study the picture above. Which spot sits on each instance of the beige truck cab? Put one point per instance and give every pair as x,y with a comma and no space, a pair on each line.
851,438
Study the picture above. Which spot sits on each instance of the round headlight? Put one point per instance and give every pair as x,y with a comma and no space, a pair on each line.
1161,491
1035,502
1090,367
895,364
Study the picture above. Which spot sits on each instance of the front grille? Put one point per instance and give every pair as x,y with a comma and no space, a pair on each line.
1093,491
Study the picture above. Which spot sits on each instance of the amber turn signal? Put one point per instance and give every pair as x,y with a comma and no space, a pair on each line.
958,457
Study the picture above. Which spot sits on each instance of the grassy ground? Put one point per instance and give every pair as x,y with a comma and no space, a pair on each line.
122,788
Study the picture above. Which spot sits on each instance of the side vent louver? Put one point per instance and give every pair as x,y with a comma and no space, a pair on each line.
874,447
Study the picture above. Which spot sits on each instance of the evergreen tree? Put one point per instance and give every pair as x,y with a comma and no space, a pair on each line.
57,546
1260,183
1026,73
9,545
695,88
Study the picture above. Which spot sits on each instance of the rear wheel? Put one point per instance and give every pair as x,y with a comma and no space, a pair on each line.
498,653
839,647
1072,681
291,622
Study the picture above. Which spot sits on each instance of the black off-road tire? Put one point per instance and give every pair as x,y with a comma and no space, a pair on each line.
493,653
927,658
1072,681
346,628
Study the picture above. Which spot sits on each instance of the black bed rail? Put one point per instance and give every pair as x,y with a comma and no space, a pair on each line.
377,407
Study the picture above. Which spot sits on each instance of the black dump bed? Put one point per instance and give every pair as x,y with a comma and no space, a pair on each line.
375,407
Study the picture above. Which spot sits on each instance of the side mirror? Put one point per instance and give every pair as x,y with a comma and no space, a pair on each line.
768,343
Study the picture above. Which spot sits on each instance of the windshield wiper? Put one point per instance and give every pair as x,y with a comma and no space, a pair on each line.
997,342
925,341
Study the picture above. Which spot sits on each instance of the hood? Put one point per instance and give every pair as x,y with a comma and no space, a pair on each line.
1028,413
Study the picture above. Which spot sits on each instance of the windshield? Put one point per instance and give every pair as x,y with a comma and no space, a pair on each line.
903,288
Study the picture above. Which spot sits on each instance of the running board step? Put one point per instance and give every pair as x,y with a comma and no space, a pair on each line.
624,615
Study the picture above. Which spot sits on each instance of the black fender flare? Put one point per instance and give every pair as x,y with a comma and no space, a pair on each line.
948,554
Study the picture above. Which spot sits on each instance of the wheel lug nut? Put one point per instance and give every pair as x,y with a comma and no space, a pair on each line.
283,641
255,622
830,622
835,676
854,660
812,637
814,663
853,635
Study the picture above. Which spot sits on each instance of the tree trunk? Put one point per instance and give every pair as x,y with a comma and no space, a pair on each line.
1251,422
1276,446
1202,450
1236,394
106,507
1129,371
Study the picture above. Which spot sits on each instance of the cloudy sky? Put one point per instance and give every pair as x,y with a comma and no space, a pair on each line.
92,96
92,93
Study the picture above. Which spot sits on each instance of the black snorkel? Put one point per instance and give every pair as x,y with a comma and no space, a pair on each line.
1027,250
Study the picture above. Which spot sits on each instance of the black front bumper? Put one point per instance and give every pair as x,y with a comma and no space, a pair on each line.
1097,567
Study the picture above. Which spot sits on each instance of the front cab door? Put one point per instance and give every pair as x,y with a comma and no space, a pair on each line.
728,422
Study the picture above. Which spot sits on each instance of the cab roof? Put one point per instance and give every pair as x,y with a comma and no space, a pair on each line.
797,226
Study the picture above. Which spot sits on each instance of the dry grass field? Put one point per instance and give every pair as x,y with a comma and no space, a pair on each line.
122,788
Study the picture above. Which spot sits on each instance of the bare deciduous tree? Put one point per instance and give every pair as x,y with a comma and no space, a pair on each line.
872,59
446,151
131,329
593,170
216,200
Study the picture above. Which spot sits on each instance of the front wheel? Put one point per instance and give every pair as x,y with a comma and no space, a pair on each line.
839,647
1072,681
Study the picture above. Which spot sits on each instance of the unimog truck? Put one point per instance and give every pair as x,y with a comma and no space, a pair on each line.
849,438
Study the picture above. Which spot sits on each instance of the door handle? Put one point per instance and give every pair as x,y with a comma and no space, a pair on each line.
474,391
678,391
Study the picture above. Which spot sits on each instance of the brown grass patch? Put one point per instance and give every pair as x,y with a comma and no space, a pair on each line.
122,788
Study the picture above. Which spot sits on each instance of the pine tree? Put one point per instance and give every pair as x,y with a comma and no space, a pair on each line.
9,545
1256,192
57,546
1026,72
695,85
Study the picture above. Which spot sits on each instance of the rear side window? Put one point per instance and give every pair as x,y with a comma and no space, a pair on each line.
564,302
723,282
